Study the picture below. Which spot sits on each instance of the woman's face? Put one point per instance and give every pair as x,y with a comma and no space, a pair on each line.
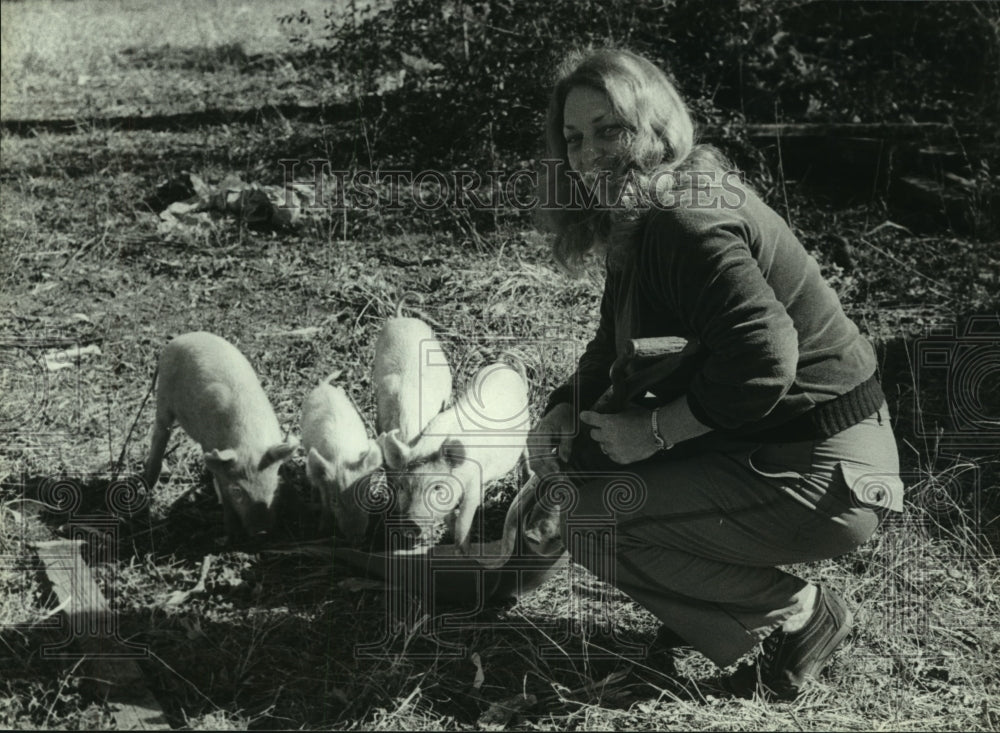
595,137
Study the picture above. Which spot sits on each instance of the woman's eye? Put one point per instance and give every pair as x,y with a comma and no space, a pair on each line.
573,142
612,132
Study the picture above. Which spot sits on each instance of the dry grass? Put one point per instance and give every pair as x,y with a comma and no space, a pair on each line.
273,640
67,36
74,59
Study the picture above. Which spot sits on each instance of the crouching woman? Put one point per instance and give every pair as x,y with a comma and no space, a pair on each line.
776,447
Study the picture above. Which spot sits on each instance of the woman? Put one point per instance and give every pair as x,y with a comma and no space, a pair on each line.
784,453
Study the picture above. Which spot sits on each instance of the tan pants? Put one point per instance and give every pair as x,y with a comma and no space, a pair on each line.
696,536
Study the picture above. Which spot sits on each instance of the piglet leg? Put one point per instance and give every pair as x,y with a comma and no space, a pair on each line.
157,447
472,497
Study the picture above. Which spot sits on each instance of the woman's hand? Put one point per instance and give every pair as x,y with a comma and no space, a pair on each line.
625,437
552,438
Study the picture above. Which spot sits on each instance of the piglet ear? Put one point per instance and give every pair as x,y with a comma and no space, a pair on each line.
453,451
221,461
372,460
318,469
396,451
278,453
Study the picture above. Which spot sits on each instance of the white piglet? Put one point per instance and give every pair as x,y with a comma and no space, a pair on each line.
339,453
410,375
478,440
207,386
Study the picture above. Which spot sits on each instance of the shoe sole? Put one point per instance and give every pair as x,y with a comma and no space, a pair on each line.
831,646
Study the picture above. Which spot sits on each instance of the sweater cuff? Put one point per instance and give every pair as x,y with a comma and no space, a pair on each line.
699,412
588,394
560,394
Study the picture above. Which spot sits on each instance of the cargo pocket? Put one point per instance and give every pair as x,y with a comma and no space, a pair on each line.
872,489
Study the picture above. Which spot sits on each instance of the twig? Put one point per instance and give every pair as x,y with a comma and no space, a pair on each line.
781,169
128,438
357,320
179,596
306,331
85,247
885,224
58,695
111,450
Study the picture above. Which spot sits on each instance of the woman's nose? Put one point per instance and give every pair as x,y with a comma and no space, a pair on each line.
591,155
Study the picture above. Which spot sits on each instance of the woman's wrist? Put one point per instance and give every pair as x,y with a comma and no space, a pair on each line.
676,423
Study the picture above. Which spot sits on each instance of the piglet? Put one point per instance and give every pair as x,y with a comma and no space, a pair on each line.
339,453
209,388
479,439
410,375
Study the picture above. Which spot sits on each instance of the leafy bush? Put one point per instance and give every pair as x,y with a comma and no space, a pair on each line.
465,82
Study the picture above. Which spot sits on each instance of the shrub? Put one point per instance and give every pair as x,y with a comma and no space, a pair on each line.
465,82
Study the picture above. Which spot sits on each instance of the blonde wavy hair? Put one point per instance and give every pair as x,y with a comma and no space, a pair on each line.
660,139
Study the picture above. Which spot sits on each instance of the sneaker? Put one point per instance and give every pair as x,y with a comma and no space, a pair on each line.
787,659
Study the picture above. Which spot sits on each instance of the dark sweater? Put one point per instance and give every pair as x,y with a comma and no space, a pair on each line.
779,358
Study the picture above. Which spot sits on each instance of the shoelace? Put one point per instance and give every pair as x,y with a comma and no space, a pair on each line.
770,650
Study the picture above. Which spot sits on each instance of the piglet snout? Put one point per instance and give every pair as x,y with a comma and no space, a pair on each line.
259,521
